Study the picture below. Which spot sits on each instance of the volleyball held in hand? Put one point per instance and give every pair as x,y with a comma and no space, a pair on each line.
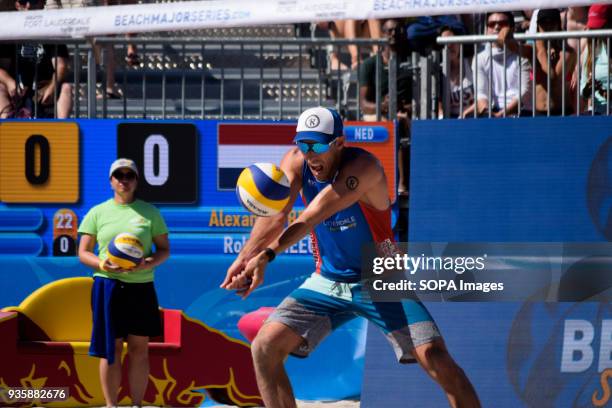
125,250
263,189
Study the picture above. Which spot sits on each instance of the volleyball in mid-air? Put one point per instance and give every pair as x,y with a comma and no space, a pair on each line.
263,189
125,250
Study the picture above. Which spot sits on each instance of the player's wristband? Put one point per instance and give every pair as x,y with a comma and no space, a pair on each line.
270,254
101,265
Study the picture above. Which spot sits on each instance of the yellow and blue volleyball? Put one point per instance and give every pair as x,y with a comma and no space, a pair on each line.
125,250
263,189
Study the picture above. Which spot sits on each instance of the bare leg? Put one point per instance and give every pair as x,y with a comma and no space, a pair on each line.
109,68
64,101
6,110
270,348
138,374
336,30
440,366
350,33
110,376
375,31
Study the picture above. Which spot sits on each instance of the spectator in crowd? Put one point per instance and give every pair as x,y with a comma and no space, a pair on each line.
350,29
549,20
111,88
423,32
35,76
393,30
575,19
457,86
491,72
131,58
112,91
594,88
522,20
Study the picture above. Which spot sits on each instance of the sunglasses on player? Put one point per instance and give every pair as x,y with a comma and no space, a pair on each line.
128,175
315,147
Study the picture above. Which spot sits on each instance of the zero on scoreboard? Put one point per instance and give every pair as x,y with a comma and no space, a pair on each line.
39,162
166,155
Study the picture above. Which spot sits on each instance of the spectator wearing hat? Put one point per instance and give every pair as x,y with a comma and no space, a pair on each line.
594,88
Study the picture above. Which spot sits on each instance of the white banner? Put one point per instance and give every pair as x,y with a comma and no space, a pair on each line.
99,21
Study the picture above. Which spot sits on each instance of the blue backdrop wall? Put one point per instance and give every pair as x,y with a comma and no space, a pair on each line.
528,180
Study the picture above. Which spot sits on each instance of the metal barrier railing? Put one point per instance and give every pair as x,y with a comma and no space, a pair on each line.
276,78
224,78
574,97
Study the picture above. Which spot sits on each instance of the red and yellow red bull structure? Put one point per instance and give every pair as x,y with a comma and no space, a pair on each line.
44,343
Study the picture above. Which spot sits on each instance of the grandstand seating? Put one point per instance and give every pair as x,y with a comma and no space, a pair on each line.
174,77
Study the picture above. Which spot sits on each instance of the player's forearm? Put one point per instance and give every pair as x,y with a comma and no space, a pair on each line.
263,233
314,214
90,259
293,234
160,255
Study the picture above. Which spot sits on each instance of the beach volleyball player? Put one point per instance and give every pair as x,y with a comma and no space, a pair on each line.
347,205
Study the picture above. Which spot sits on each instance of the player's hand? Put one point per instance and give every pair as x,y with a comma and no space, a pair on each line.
234,270
109,266
250,278
146,263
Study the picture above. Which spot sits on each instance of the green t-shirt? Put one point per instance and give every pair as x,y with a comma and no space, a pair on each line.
108,219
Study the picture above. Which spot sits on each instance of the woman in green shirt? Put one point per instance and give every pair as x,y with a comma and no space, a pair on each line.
124,302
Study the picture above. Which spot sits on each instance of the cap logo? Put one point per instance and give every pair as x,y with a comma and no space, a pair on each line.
312,121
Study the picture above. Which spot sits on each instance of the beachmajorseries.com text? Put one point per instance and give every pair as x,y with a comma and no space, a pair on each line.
411,264
436,285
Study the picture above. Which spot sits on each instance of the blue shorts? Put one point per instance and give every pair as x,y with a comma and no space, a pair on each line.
320,305
120,309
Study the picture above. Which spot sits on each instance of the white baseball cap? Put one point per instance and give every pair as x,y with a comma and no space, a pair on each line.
123,164
319,124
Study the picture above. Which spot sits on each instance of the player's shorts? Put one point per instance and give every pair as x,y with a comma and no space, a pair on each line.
132,308
135,310
320,305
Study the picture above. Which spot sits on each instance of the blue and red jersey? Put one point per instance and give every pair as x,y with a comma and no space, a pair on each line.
337,241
